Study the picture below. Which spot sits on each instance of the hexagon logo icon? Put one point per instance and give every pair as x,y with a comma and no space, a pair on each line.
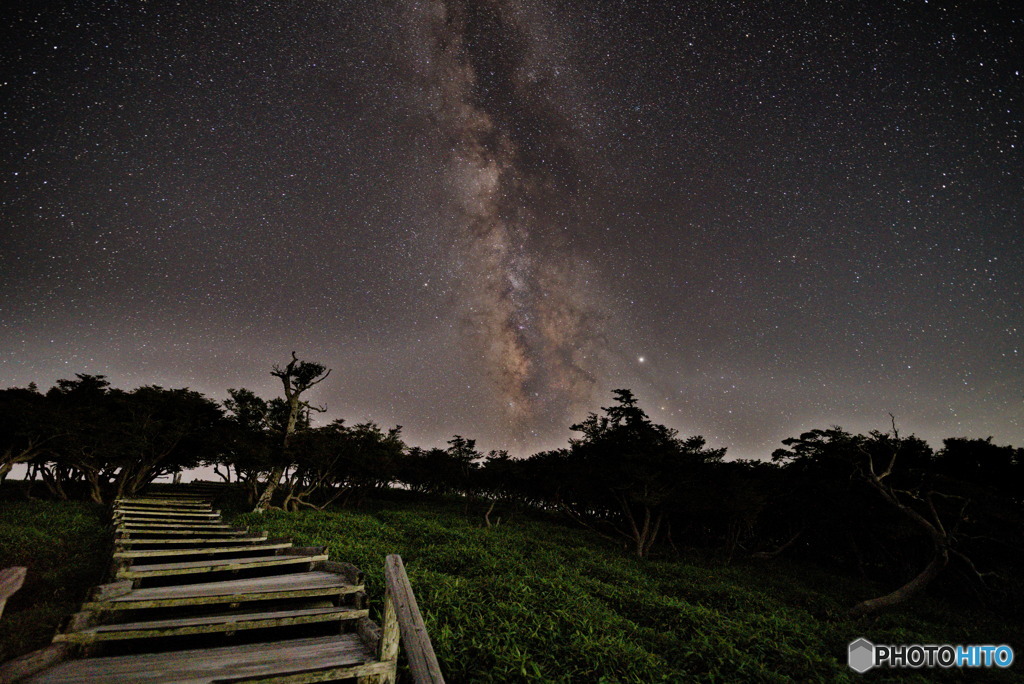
861,655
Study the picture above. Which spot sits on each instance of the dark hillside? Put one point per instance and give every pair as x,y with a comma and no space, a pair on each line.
535,600
66,547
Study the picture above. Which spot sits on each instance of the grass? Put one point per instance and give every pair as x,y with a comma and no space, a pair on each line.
533,600
66,548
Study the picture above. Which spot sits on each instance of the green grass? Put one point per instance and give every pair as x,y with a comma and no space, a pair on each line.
66,548
533,600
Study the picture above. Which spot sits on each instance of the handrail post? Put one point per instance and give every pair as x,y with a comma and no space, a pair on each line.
418,649
11,580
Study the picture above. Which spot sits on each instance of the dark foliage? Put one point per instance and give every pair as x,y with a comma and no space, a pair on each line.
883,507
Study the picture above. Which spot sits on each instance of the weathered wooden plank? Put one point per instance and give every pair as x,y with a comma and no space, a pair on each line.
83,619
173,515
174,530
175,510
210,624
132,602
141,535
371,634
190,525
198,503
184,503
11,580
149,553
350,572
31,663
275,587
105,592
122,522
165,508
168,501
361,673
418,649
129,542
308,660
190,568
305,551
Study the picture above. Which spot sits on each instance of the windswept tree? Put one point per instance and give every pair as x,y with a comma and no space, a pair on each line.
917,518
250,443
27,427
632,467
117,442
340,462
297,377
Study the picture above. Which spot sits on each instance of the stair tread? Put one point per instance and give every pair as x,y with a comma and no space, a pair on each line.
141,534
221,561
276,583
155,526
218,565
167,514
150,553
131,541
208,665
219,620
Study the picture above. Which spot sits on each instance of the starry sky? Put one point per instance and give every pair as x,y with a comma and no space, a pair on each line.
485,215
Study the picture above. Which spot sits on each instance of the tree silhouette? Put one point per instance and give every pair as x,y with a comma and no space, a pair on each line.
296,378
626,463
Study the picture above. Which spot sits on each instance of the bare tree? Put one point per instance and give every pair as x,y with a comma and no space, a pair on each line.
919,509
296,377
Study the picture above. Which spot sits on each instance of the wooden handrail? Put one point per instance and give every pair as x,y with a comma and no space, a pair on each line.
418,649
11,580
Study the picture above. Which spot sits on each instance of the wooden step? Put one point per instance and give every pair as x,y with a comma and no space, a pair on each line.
128,542
152,629
296,585
199,526
220,565
163,506
183,533
157,518
135,513
149,553
321,659
198,502
160,520
168,513
164,503
178,536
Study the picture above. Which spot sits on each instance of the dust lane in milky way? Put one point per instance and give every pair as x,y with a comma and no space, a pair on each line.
515,178
761,216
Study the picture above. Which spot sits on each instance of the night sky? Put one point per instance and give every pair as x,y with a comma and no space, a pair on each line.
485,215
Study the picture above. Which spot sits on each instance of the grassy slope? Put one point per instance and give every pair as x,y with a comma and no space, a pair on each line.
531,600
534,600
66,547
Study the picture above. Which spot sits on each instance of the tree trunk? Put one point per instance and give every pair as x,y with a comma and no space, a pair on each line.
268,491
905,592
95,492
776,552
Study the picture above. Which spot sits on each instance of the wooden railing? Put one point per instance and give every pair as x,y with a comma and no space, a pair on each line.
399,599
11,580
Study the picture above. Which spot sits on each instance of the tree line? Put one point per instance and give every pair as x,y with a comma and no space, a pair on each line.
883,505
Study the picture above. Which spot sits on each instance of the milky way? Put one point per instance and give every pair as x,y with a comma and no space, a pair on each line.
515,177
483,214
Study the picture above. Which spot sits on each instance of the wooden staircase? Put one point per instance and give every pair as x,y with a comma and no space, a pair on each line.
195,600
